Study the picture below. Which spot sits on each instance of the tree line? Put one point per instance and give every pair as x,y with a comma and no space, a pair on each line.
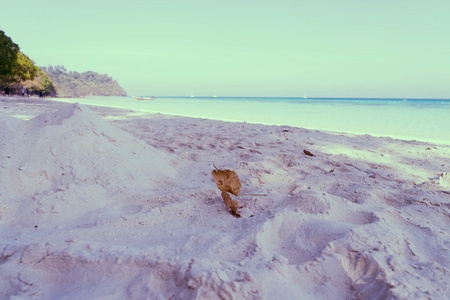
74,84
18,72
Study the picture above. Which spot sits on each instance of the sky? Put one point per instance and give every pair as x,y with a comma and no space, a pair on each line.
282,48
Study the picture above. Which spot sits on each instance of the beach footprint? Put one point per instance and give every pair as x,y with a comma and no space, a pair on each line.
297,236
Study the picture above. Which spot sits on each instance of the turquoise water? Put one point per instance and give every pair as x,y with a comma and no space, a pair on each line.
410,119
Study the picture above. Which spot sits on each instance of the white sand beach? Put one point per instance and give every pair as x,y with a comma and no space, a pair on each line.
105,203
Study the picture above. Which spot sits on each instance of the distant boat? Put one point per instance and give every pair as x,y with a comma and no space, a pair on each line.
192,95
144,98
304,96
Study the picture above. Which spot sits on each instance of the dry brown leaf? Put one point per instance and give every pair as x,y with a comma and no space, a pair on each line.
230,203
308,153
227,181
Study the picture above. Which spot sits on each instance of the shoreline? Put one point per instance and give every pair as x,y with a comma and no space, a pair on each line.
310,116
121,204
34,100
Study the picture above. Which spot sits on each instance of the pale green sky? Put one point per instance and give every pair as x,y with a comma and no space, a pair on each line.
329,48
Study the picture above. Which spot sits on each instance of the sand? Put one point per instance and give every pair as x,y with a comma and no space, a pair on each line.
102,203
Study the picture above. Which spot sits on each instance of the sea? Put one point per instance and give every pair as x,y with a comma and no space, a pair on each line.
425,120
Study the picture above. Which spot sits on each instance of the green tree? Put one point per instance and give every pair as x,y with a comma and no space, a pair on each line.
15,67
41,83
26,69
9,52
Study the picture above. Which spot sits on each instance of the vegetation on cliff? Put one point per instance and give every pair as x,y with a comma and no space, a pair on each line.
18,71
74,84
